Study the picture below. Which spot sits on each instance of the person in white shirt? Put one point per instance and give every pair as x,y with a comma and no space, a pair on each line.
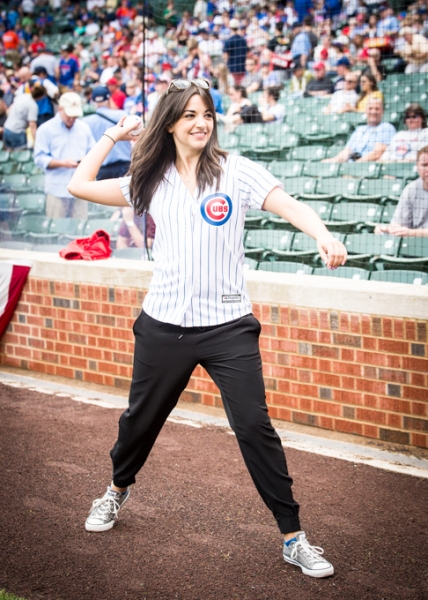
405,144
342,99
270,108
197,309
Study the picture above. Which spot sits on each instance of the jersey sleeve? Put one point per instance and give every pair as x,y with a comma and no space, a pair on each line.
255,183
124,186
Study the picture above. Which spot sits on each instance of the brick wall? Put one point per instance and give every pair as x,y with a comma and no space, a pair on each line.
349,372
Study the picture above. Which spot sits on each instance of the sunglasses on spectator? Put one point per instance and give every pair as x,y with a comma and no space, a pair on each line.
351,80
413,116
179,85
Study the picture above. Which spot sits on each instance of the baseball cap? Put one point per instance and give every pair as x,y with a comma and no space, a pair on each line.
100,93
344,61
218,20
118,98
67,47
112,81
40,70
234,24
72,104
318,66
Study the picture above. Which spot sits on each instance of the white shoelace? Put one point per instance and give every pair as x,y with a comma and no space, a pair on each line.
312,553
106,505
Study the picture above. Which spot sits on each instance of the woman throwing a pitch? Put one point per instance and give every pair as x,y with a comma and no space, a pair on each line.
197,310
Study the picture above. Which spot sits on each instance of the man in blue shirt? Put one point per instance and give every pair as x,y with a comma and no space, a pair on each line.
368,142
118,160
388,24
301,46
67,67
60,145
235,52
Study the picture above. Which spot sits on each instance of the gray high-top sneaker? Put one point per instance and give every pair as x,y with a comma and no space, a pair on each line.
299,552
103,513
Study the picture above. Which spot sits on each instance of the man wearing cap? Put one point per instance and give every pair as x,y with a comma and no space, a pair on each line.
22,115
61,143
52,90
320,85
235,52
343,68
67,68
118,160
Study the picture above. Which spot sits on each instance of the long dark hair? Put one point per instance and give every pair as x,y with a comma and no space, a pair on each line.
373,81
155,151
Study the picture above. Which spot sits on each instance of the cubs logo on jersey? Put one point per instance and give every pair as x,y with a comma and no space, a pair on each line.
216,209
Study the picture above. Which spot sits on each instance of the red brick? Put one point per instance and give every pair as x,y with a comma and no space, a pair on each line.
308,335
283,345
395,405
369,343
393,346
282,331
314,319
325,422
347,368
280,413
387,328
93,377
394,376
344,324
301,389
410,330
283,372
419,408
283,386
365,325
373,416
375,387
326,379
324,320
398,328
303,362
419,439
305,404
370,372
286,400
348,426
417,379
284,314
371,431
324,337
63,372
325,351
79,363
327,408
304,418
415,393
303,317
348,383
415,364
394,420
348,397
294,316
305,376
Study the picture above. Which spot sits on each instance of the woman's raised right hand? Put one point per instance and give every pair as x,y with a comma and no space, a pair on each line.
121,133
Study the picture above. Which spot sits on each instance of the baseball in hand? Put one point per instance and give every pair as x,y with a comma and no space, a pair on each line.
134,120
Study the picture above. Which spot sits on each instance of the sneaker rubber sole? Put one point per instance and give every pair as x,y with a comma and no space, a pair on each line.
318,573
104,526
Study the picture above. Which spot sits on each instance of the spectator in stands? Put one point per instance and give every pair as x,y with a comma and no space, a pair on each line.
299,79
133,229
23,75
118,161
110,67
269,106
222,79
60,145
405,144
239,100
22,115
301,47
326,53
52,90
46,59
415,51
321,85
388,24
11,42
367,142
161,86
411,215
133,95
117,96
93,72
252,80
344,97
369,91
269,78
3,113
235,52
67,68
373,60
343,69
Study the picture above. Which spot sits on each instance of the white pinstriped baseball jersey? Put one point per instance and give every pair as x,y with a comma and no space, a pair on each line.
198,250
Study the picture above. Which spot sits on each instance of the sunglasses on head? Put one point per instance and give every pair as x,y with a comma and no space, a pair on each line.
179,85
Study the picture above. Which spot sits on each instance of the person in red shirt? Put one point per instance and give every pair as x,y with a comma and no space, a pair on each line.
10,40
36,44
117,96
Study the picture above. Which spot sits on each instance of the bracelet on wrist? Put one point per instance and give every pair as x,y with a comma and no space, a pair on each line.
109,136
130,223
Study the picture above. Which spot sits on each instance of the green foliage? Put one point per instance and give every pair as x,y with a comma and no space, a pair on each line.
6,596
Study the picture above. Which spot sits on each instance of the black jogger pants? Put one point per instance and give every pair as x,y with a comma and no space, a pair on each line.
164,358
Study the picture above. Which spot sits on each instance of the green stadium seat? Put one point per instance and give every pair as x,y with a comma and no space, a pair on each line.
31,203
229,141
9,212
250,263
343,272
282,266
289,168
260,243
400,276
323,209
16,182
30,226
111,227
67,228
398,170
364,249
22,156
368,170
320,169
335,189
255,219
36,183
413,253
303,249
350,217
30,169
9,168
300,187
307,153
381,190
4,156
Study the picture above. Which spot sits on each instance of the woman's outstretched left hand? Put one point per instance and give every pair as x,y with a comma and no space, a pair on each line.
332,252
